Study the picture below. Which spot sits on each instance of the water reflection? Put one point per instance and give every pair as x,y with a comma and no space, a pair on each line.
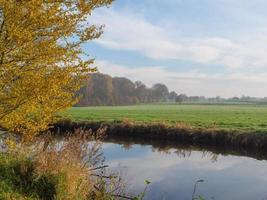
173,171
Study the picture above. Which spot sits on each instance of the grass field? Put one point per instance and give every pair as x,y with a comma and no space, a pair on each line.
234,117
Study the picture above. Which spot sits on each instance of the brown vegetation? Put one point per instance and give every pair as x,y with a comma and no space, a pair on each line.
180,134
69,168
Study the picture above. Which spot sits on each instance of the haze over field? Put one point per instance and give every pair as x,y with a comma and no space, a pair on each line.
205,48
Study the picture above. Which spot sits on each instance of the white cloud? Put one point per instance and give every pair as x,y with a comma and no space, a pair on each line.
127,31
193,82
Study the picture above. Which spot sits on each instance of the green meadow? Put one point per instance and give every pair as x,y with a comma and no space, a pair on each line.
229,117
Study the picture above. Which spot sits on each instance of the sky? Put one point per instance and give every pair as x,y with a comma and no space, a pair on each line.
197,47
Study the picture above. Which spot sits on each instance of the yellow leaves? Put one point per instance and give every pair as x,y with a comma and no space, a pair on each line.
41,64
11,144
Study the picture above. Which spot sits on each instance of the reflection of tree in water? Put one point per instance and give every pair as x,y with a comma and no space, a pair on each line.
182,151
185,150
127,146
208,154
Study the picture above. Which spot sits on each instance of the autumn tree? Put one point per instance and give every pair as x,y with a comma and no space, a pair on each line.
124,91
160,92
97,90
101,90
42,63
141,91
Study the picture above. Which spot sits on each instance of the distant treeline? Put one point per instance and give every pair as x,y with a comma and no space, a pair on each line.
100,90
104,90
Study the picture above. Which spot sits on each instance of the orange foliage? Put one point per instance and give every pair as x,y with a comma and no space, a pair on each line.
42,63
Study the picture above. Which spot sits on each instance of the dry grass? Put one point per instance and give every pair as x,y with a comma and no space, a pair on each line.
69,168
66,160
183,125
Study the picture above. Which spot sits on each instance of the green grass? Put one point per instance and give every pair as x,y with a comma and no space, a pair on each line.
17,180
233,117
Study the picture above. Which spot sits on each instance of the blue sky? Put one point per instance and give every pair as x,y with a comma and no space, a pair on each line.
197,47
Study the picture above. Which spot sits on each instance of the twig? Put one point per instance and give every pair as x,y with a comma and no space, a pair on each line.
100,167
114,195
195,188
101,176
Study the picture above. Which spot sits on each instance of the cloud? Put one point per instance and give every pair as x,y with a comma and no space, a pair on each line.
176,174
132,32
192,82
226,63
128,32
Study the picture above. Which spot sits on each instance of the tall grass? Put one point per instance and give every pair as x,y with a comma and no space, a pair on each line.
67,169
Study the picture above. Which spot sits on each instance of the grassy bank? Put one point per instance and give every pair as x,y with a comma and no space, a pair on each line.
236,140
247,117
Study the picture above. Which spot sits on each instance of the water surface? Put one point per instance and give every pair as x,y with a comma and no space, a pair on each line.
174,171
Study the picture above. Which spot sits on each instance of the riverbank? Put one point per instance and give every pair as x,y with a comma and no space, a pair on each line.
237,140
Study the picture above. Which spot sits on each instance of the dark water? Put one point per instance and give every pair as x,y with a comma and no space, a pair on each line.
174,171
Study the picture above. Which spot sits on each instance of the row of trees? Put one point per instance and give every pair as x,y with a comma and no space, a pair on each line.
102,89
202,99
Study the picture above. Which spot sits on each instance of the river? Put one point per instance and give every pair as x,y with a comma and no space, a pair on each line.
173,172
